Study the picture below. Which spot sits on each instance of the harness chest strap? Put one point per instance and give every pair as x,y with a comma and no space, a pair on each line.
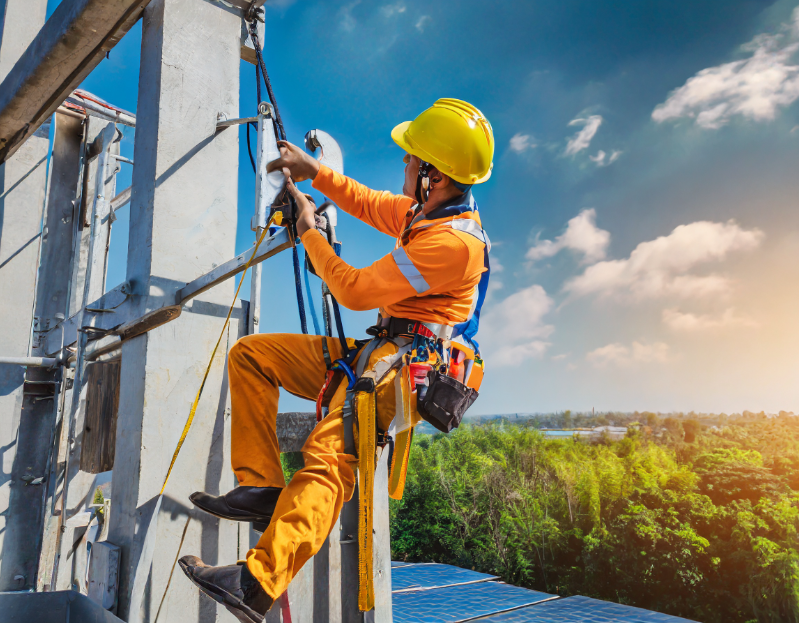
458,218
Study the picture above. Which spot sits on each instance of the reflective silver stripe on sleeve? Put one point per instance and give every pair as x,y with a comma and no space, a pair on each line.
410,271
469,226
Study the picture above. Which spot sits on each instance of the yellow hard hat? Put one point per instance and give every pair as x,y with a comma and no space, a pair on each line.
453,136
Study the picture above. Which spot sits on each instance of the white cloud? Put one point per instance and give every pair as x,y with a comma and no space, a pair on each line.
660,267
522,142
623,356
687,322
755,87
347,21
390,10
603,160
581,235
424,20
514,330
494,283
582,139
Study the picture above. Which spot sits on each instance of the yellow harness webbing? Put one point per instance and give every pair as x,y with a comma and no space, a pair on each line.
367,446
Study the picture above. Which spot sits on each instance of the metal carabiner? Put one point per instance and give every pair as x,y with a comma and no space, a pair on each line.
340,364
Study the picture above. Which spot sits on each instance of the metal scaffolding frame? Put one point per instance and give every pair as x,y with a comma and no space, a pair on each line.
143,342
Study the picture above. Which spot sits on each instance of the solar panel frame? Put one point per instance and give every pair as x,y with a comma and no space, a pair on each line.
427,576
580,609
463,602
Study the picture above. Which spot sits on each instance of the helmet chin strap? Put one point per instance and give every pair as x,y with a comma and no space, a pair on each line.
423,182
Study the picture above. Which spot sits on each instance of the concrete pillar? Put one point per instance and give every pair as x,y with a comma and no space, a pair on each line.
182,224
326,588
22,191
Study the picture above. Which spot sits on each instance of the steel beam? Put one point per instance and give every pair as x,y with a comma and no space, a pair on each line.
52,300
88,284
94,105
269,247
72,42
117,307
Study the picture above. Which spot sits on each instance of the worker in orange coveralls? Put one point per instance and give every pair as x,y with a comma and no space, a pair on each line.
432,281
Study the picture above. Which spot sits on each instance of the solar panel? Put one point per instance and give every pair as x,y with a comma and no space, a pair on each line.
460,603
580,609
431,575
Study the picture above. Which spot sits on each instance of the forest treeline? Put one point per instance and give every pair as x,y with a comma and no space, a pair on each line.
696,521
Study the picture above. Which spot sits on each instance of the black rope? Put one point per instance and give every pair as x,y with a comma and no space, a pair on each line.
249,147
298,286
340,328
257,84
281,133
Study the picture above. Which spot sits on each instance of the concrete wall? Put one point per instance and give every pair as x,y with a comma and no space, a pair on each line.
22,191
183,222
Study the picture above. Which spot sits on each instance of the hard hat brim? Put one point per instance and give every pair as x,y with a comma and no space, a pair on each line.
398,134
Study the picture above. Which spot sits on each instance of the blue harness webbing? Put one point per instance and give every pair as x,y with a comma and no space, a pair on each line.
469,328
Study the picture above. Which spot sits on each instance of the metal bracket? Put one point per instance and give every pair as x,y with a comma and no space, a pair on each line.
330,154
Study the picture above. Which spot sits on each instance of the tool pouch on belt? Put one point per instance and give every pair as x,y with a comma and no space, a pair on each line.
443,401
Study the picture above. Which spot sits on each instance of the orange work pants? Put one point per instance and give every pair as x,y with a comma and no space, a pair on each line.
258,365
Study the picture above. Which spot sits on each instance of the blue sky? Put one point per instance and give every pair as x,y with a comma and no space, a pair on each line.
643,205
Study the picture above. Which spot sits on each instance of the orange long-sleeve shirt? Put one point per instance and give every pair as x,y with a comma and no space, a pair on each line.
444,264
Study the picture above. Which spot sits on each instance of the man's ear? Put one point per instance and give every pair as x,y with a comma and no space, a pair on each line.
439,179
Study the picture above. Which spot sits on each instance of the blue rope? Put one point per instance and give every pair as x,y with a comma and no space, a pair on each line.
310,302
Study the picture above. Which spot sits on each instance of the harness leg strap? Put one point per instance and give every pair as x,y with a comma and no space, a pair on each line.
348,408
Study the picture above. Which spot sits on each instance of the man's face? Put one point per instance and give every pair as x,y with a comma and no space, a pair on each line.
411,172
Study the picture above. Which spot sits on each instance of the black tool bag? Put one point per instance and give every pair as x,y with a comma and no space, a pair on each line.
443,401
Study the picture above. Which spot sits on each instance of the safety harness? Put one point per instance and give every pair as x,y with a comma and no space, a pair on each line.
417,342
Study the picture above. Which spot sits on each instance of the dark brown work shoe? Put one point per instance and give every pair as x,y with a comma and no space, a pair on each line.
253,504
233,586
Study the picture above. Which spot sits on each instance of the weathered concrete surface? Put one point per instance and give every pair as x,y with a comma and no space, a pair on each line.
293,429
22,191
74,40
183,221
382,545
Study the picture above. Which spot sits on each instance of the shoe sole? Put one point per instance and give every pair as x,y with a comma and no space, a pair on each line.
233,605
